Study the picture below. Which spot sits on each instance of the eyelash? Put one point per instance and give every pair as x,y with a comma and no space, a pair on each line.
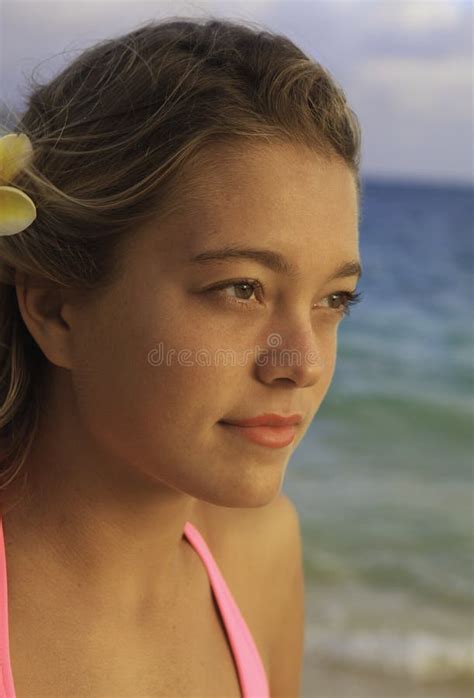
350,297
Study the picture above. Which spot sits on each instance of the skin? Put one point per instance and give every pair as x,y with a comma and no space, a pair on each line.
127,451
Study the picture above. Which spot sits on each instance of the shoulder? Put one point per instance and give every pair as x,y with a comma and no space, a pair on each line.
222,524
259,550
283,592
267,536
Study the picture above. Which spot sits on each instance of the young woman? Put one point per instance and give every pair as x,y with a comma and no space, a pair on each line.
192,252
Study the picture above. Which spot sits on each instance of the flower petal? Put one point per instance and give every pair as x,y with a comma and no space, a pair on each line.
17,211
16,152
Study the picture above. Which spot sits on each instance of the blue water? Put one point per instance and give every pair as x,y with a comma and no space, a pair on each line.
383,478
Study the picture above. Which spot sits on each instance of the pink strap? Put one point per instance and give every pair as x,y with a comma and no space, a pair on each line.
7,689
253,679
252,676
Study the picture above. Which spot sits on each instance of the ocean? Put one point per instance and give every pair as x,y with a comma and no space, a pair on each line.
383,478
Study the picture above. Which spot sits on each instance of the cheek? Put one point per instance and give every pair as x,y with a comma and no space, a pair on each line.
326,342
327,348
145,384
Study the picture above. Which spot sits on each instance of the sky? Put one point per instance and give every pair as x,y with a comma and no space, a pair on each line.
406,66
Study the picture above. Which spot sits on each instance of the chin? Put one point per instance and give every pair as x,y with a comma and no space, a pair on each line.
254,491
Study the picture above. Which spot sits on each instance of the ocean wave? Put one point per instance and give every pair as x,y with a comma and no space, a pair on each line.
418,655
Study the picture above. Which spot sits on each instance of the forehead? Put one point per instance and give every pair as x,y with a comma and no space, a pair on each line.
284,195
270,180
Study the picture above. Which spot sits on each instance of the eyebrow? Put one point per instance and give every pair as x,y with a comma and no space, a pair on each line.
273,260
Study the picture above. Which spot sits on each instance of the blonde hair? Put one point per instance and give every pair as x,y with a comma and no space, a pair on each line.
113,136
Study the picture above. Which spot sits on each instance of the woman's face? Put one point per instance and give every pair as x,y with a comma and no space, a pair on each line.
163,356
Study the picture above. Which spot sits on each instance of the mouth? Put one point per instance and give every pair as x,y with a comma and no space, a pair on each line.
263,435
267,420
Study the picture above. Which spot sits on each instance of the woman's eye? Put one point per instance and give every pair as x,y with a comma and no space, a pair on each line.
240,292
348,298
243,290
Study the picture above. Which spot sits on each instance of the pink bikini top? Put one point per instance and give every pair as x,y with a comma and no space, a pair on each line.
250,669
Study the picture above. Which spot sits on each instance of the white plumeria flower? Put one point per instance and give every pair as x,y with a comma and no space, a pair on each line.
17,210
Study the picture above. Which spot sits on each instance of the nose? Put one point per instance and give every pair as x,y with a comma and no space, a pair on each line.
294,356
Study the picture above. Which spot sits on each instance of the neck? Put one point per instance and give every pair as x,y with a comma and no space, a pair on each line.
101,525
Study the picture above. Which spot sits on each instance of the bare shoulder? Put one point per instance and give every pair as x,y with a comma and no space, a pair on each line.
259,551
264,537
280,511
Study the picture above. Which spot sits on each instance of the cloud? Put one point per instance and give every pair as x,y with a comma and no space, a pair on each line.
405,65
418,17
428,88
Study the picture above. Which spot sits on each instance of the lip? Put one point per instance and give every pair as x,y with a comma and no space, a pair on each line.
266,420
270,436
